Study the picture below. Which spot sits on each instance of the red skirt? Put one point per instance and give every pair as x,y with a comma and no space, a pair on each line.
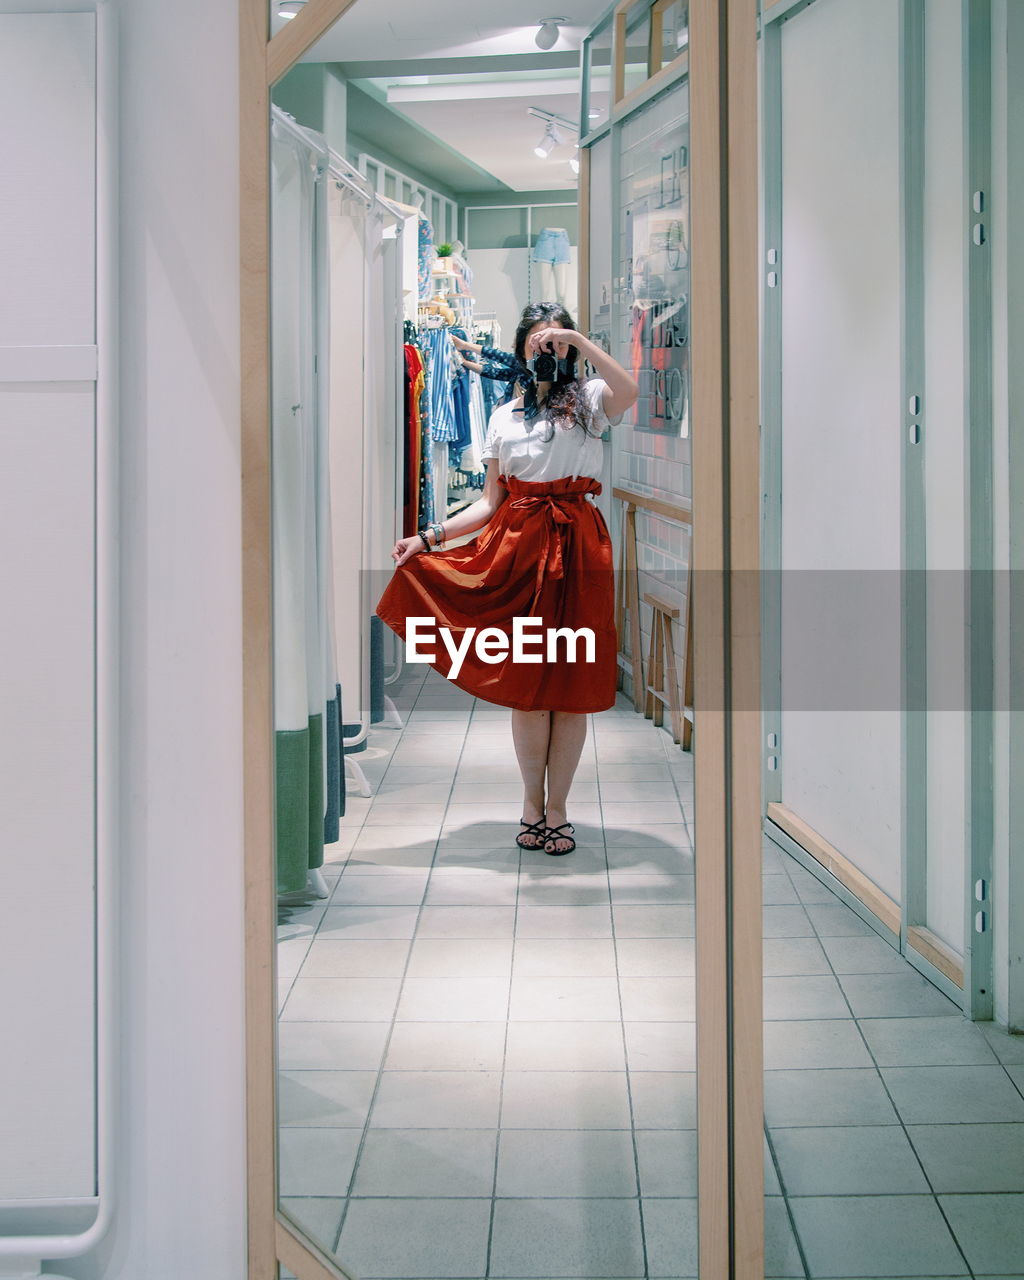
546,554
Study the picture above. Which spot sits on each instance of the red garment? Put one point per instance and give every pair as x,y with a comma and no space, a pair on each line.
547,554
414,376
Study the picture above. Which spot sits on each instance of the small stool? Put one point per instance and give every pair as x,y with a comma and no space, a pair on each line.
661,667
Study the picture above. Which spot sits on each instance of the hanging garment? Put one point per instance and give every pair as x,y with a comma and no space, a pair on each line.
426,258
440,377
546,554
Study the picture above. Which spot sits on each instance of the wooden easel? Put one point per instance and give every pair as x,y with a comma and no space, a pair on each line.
627,602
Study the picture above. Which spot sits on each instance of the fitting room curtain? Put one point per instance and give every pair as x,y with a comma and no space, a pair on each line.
307,719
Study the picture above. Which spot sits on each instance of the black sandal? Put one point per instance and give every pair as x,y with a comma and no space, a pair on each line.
556,833
537,829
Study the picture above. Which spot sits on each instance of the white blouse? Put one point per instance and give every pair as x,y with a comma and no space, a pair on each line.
522,450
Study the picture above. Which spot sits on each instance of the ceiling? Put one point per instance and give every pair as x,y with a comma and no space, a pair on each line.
463,78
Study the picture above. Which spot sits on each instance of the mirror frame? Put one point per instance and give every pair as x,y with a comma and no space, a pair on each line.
727,646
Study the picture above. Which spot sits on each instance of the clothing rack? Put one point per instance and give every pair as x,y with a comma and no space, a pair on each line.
335,165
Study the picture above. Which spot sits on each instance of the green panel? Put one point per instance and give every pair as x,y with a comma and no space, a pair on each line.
299,803
497,229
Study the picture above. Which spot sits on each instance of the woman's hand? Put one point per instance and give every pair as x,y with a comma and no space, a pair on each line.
558,341
406,548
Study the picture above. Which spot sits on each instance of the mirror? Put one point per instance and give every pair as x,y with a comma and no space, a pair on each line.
894,1113
486,1039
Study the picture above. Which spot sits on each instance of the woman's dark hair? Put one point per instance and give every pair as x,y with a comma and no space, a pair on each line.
565,400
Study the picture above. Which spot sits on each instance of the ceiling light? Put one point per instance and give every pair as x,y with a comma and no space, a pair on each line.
289,8
548,143
594,113
547,36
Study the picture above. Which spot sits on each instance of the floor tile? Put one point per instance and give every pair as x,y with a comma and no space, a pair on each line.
790,957
503,859
953,1095
934,1042
446,1046
453,999
639,771
437,1100
1007,1048
664,1099
567,1046
390,862
466,922
670,1229
623,813
316,1162
471,888
849,1161
781,1255
565,1100
778,891
405,812
563,890
884,1236
635,790
830,1097
291,954
990,1229
455,957
368,922
666,835
794,998
656,957
971,1157
895,995
565,958
318,1216
412,836
836,920
786,922
808,1044
585,860
658,999
412,1238
325,1099
564,922
651,860
555,1238
668,1162
863,955
430,1163
555,999
661,1046
637,889
565,1162
342,999
366,958
339,1046
654,921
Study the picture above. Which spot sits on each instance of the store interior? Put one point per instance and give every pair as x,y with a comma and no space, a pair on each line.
487,1055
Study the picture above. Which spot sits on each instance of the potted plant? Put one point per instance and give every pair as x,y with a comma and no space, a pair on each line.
443,265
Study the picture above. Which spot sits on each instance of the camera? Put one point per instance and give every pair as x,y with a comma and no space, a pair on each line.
546,367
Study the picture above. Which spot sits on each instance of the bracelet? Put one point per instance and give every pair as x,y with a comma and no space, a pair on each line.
425,540
438,534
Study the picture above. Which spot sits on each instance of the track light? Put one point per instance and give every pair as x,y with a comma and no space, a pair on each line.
548,143
289,8
547,36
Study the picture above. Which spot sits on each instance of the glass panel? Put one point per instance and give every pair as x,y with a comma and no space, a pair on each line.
599,78
675,35
652,324
486,1048
638,47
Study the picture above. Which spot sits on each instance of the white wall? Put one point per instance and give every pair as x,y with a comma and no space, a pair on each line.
47,585
181,1210
841,438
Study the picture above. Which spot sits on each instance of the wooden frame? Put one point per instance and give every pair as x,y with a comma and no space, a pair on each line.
658,74
726,636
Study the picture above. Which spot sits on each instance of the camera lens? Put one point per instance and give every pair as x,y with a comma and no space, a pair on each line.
545,366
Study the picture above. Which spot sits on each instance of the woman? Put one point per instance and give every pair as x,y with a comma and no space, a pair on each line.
543,553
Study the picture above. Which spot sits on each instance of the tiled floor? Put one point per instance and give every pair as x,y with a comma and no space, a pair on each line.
487,1058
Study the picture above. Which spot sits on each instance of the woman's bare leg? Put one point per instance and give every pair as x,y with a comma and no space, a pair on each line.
568,734
531,732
